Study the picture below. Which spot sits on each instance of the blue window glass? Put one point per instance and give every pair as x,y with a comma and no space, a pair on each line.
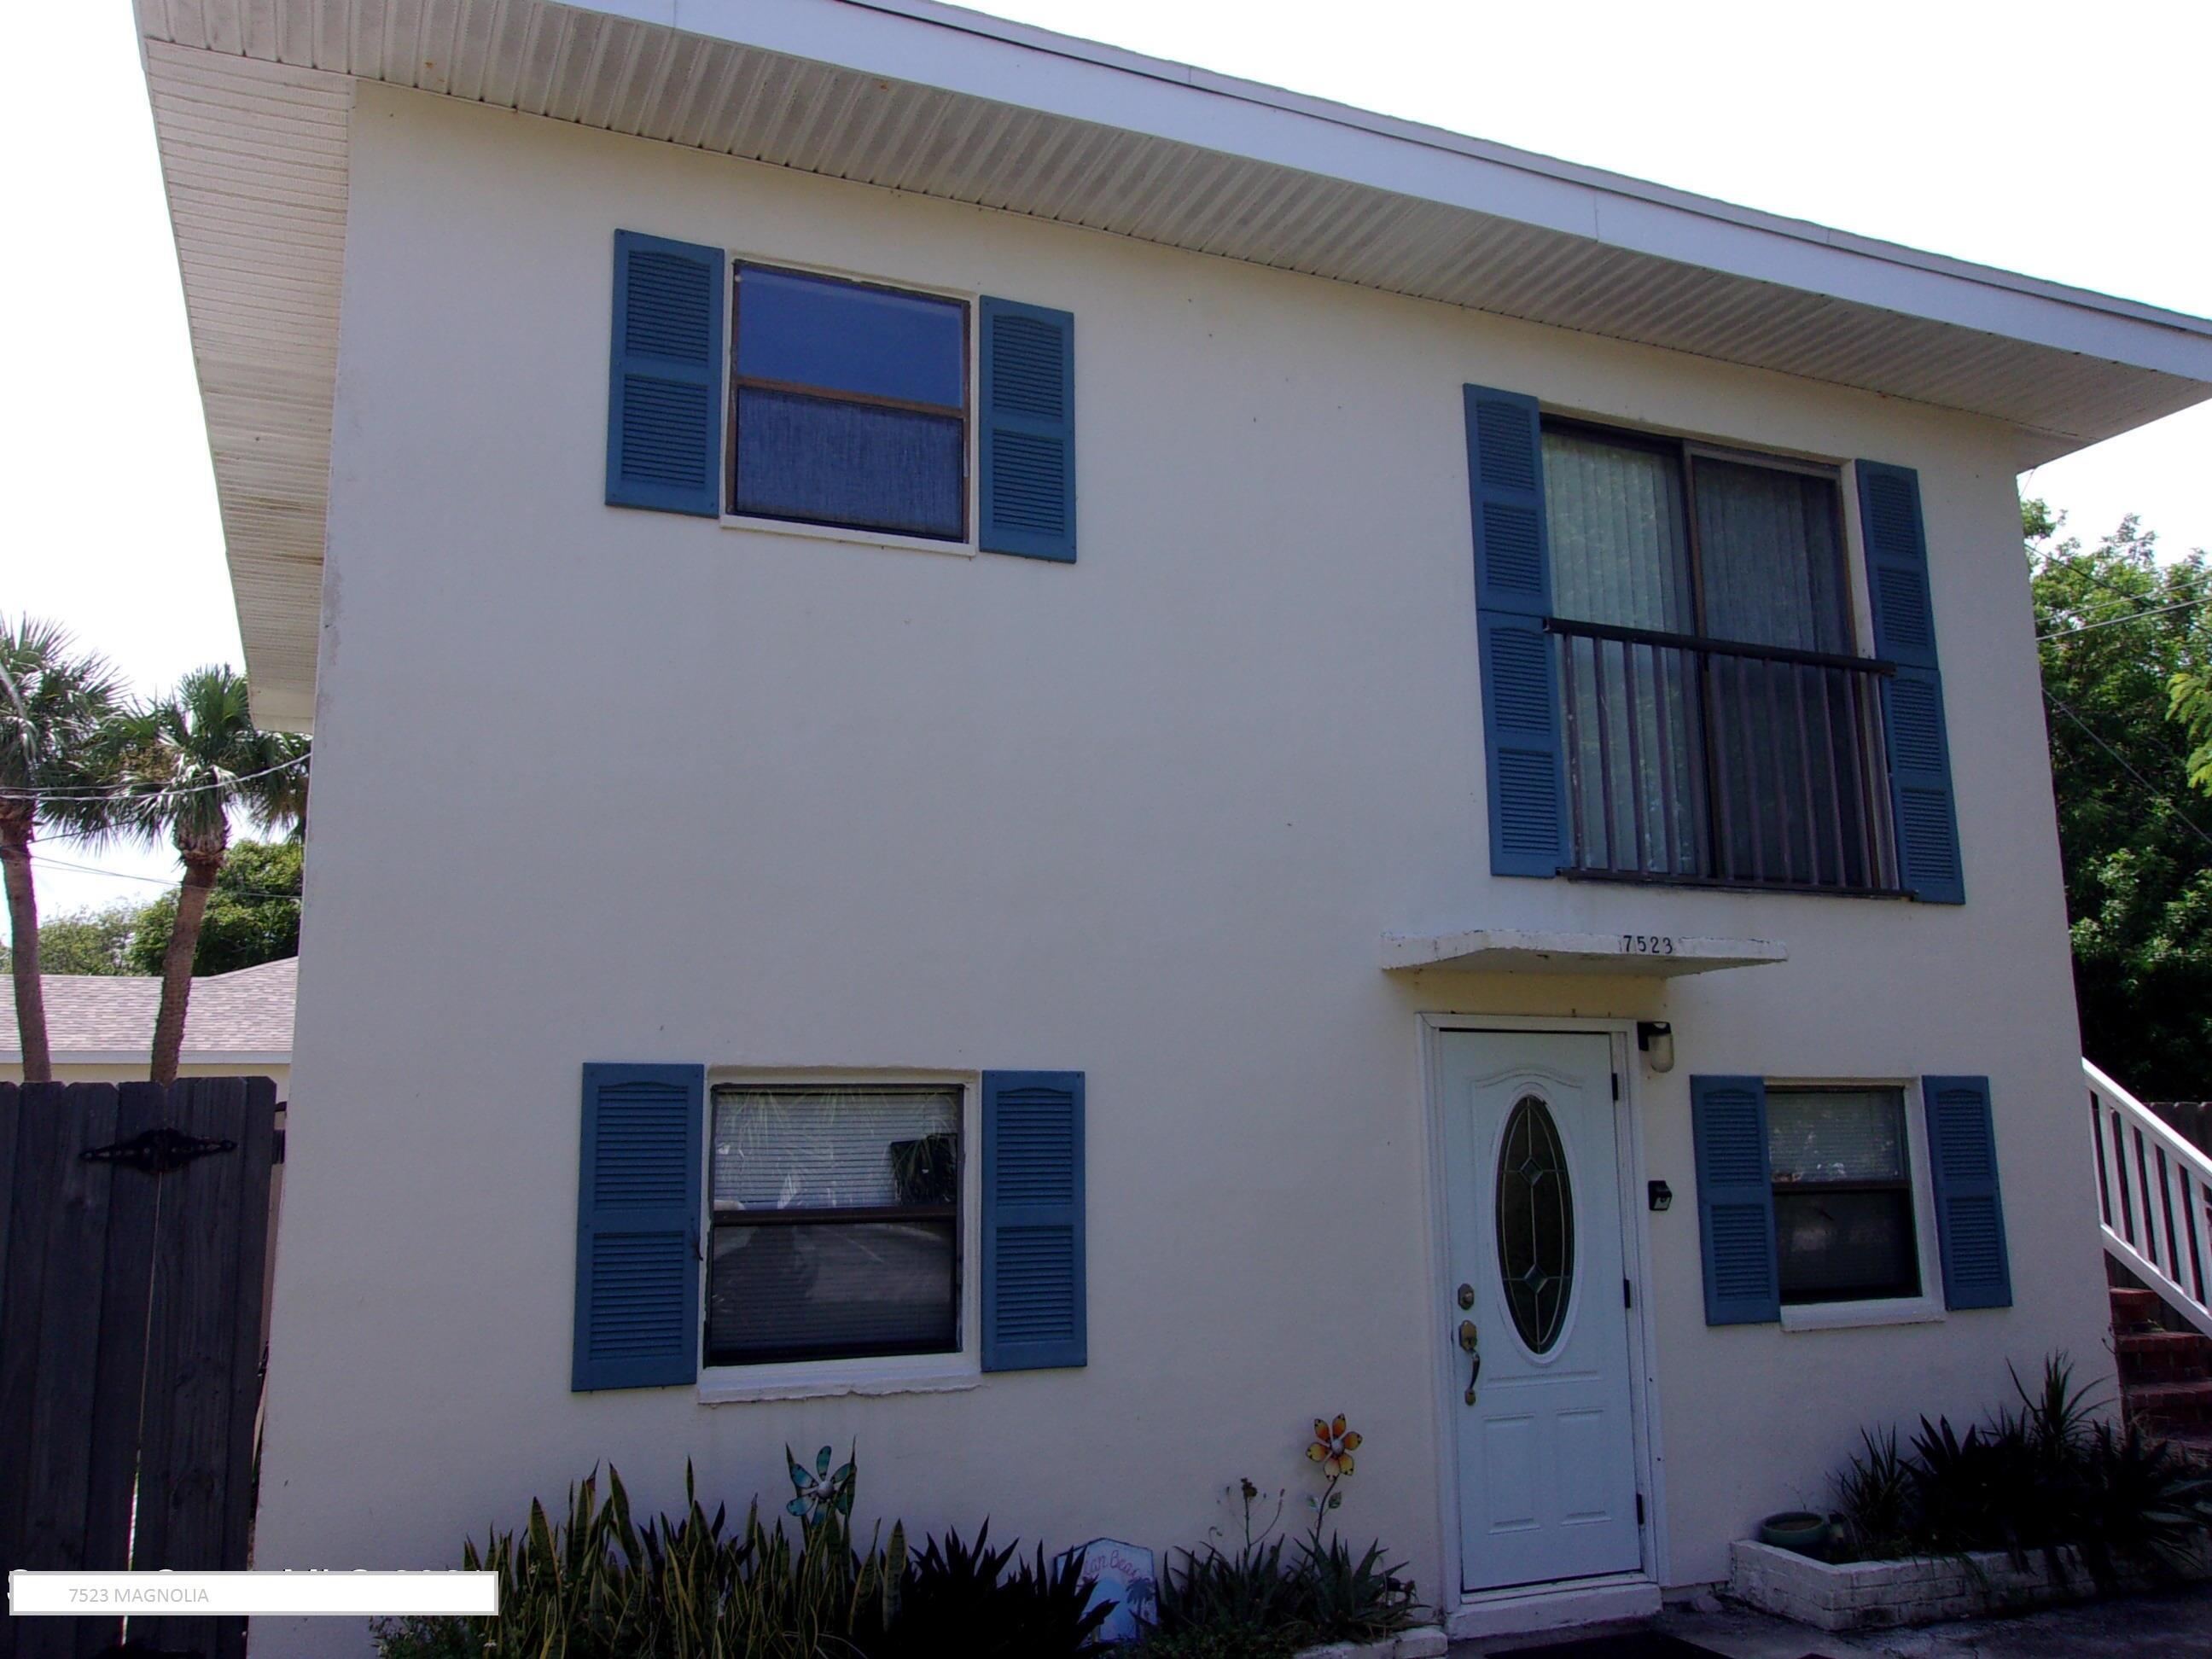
851,405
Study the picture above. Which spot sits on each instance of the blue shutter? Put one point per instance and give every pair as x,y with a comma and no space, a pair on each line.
638,1194
1962,1167
1736,1200
1912,702
1034,1314
1028,444
665,385
1521,723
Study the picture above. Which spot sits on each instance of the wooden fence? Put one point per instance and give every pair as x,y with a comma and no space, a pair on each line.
134,1230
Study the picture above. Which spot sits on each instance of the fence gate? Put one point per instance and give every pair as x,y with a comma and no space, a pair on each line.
134,1226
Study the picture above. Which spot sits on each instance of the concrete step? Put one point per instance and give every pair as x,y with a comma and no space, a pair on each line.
2132,1307
2163,1356
2170,1404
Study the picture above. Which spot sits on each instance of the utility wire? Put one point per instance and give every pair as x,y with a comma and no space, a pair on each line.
2114,622
113,794
153,881
2150,788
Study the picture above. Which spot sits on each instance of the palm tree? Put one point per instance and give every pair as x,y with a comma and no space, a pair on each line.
55,704
191,756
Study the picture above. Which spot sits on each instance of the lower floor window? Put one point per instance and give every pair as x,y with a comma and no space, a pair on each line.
1843,1195
837,1222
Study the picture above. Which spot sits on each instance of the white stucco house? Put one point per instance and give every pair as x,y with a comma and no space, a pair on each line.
1119,758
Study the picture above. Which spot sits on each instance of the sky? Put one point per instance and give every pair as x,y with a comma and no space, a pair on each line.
2068,142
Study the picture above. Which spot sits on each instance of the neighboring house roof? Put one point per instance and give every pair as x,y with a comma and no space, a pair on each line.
251,103
106,1019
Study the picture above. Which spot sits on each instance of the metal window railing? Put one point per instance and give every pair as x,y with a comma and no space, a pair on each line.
1695,761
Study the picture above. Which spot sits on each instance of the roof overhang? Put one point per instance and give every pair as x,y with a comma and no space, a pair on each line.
251,103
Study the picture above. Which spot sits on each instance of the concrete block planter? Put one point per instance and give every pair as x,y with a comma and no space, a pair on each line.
1425,1642
1880,1595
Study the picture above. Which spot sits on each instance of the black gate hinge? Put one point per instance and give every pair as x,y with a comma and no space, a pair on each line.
157,1151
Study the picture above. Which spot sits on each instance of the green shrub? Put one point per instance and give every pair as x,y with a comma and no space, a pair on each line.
958,1598
2035,1480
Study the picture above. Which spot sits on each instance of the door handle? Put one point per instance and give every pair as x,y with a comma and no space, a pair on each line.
1470,1342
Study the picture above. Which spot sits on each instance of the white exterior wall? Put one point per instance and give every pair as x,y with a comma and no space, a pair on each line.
595,784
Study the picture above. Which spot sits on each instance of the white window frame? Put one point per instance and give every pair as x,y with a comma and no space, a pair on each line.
1927,1308
971,460
821,1379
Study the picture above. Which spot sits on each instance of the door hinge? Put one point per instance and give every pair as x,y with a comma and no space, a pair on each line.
1639,1508
1627,1294
1616,1085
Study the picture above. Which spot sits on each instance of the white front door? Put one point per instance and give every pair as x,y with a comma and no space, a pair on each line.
1534,1309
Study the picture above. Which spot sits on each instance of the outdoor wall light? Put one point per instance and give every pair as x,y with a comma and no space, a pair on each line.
1656,1037
1662,1197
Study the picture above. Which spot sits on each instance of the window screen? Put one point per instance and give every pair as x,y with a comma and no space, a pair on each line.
1843,1195
836,1225
851,405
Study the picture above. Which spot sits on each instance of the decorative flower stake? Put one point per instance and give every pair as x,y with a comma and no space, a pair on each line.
819,1493
1333,1443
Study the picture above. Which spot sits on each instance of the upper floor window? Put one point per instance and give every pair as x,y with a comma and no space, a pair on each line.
1719,725
849,406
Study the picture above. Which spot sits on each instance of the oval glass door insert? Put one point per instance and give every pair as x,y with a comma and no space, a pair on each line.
1536,1224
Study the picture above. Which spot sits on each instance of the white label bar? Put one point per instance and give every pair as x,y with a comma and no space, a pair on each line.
348,1595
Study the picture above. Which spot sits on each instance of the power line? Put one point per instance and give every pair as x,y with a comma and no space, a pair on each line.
155,881
120,795
2114,622
2150,788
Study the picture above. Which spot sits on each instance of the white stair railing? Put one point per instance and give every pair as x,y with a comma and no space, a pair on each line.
2154,1193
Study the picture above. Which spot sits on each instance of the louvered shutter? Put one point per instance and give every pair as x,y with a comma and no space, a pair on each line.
1736,1200
665,383
1912,702
1521,723
1033,1306
1028,442
638,1192
1962,1167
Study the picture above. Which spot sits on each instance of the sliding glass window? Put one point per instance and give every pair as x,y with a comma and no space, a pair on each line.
1719,725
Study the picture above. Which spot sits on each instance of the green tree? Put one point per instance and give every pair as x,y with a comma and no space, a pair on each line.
89,941
253,914
56,705
191,758
2133,836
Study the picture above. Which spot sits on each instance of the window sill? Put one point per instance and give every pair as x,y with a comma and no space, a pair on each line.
1849,1315
736,1386
828,532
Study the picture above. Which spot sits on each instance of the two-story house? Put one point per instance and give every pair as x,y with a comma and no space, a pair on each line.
1039,762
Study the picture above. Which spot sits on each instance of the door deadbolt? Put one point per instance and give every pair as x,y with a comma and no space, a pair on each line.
1466,1298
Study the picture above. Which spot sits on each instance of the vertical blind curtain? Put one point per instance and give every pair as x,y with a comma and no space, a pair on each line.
847,1284
817,445
1770,549
1620,553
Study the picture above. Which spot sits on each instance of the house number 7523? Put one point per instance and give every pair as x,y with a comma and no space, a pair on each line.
1647,945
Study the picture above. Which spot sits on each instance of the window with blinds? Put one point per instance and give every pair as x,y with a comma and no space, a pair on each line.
850,404
837,1222
1843,1195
